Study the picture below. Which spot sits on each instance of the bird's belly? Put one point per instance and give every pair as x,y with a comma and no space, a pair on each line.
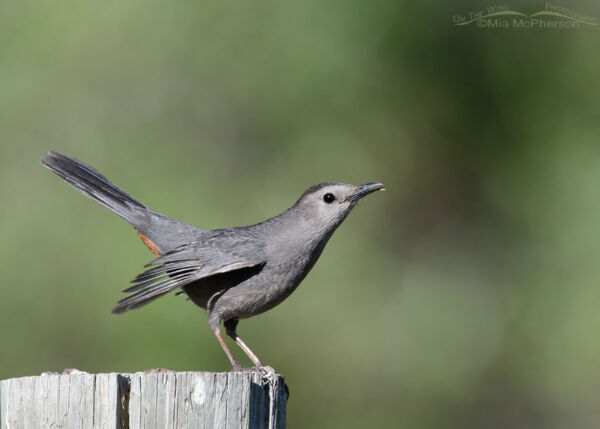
257,294
247,292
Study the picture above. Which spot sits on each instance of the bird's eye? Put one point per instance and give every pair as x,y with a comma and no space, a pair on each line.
328,198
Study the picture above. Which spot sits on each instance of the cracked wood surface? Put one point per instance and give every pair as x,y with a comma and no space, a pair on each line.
152,399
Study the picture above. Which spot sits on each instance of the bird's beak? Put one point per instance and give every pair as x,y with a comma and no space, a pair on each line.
365,189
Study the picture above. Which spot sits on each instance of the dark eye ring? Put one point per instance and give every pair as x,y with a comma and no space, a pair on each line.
328,198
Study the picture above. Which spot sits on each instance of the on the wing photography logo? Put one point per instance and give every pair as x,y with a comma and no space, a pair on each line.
502,16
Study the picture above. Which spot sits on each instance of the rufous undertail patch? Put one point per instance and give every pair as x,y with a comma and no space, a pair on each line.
149,244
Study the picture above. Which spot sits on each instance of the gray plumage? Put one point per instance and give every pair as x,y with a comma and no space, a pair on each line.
233,273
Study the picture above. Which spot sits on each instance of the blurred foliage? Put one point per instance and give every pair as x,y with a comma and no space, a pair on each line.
465,296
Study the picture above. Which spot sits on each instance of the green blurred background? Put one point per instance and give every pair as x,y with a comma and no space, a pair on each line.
466,296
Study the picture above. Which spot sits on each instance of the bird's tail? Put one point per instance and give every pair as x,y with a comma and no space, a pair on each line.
94,185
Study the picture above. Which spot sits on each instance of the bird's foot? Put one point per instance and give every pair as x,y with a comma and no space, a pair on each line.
268,375
267,371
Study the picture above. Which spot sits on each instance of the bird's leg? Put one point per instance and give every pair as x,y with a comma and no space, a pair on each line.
230,328
236,366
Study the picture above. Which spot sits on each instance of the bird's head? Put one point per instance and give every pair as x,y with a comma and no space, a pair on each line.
327,204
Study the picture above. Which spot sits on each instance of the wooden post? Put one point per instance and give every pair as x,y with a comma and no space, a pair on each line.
155,399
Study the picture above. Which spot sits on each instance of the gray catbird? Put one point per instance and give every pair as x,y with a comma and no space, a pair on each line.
233,273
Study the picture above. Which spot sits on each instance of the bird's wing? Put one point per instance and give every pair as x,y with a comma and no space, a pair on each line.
218,252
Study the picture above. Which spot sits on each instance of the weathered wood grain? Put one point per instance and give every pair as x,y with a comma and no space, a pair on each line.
145,400
63,401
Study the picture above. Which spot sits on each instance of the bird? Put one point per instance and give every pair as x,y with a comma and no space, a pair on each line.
233,273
